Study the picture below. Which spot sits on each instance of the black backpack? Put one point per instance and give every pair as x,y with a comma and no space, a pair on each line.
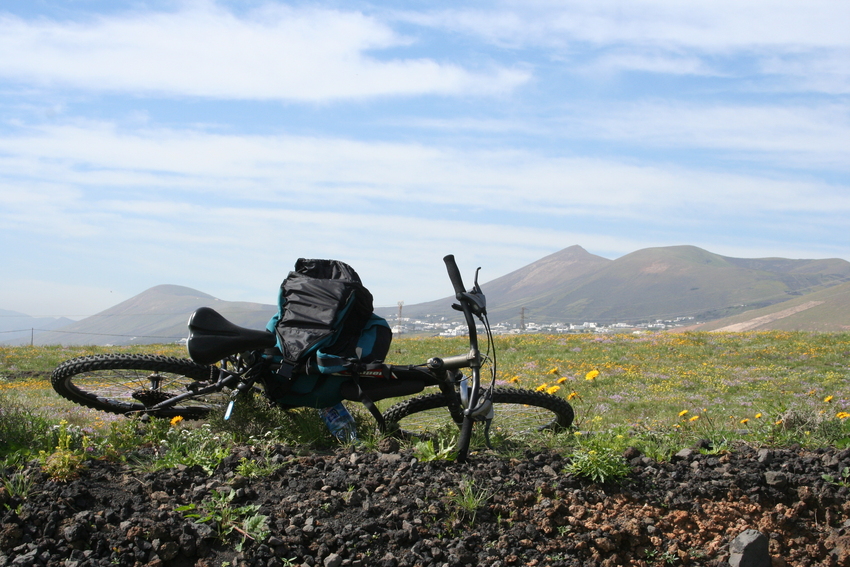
325,319
324,326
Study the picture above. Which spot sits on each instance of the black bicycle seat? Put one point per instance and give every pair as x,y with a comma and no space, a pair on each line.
212,337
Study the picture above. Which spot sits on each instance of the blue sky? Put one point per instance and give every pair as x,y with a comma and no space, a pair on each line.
211,144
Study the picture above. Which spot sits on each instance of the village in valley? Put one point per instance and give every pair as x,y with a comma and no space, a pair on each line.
444,327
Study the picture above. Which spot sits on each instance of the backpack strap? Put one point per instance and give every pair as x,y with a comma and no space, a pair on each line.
286,369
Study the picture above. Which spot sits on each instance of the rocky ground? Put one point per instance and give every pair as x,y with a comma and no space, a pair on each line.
384,508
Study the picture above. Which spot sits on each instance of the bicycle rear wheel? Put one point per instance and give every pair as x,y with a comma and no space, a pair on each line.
128,383
518,413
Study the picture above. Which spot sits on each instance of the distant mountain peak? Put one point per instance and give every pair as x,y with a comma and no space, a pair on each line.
551,270
177,290
7,313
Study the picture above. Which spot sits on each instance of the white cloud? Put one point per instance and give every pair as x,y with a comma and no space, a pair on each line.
792,135
717,26
166,206
278,52
312,172
802,45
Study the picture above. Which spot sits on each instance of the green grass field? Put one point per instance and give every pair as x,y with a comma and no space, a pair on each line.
648,380
667,390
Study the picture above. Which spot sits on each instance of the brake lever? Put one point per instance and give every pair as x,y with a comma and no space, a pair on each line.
476,301
474,298
475,287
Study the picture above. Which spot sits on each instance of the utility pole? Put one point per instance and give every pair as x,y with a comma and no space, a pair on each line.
522,319
400,305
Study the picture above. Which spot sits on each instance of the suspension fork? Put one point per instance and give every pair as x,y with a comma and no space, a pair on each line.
449,382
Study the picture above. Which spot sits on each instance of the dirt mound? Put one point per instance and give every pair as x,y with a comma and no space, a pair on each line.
362,508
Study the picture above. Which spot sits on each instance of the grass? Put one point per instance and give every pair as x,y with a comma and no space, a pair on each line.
659,392
467,499
767,386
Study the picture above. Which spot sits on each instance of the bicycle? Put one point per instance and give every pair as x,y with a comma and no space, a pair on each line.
167,387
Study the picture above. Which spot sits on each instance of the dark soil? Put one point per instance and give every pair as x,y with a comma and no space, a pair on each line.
386,509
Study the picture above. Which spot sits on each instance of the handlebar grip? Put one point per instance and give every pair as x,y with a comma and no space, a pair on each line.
454,274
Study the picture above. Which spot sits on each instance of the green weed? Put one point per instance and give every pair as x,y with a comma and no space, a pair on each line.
14,480
65,462
467,500
598,465
253,469
227,518
435,450
841,480
199,446
22,428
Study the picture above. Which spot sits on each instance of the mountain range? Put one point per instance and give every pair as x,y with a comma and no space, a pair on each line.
573,285
157,315
569,286
19,328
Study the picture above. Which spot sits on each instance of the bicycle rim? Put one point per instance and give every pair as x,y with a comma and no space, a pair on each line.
128,384
518,413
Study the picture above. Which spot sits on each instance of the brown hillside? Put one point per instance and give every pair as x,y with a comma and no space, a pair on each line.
827,310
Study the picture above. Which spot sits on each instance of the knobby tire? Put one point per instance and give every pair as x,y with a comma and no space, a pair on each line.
518,413
128,383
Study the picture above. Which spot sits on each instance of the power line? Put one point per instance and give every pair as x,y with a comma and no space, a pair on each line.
271,308
96,334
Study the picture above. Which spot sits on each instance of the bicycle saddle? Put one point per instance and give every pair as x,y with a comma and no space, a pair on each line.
212,337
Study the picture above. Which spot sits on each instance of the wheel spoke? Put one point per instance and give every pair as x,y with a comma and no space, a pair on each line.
132,383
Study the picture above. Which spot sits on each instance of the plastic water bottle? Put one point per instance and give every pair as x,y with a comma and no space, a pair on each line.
340,423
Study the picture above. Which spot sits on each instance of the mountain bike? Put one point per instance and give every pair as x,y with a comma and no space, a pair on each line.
248,360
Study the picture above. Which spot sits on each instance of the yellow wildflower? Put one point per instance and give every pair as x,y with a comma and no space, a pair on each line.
758,416
694,418
572,396
541,387
562,379
513,379
591,375
552,389
745,421
554,371
683,413
842,415
176,419
828,399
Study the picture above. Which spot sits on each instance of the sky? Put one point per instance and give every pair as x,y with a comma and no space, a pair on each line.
210,144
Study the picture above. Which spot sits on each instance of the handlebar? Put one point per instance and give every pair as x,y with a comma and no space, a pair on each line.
454,276
470,303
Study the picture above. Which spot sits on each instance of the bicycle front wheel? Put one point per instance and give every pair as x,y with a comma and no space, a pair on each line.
517,413
128,383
